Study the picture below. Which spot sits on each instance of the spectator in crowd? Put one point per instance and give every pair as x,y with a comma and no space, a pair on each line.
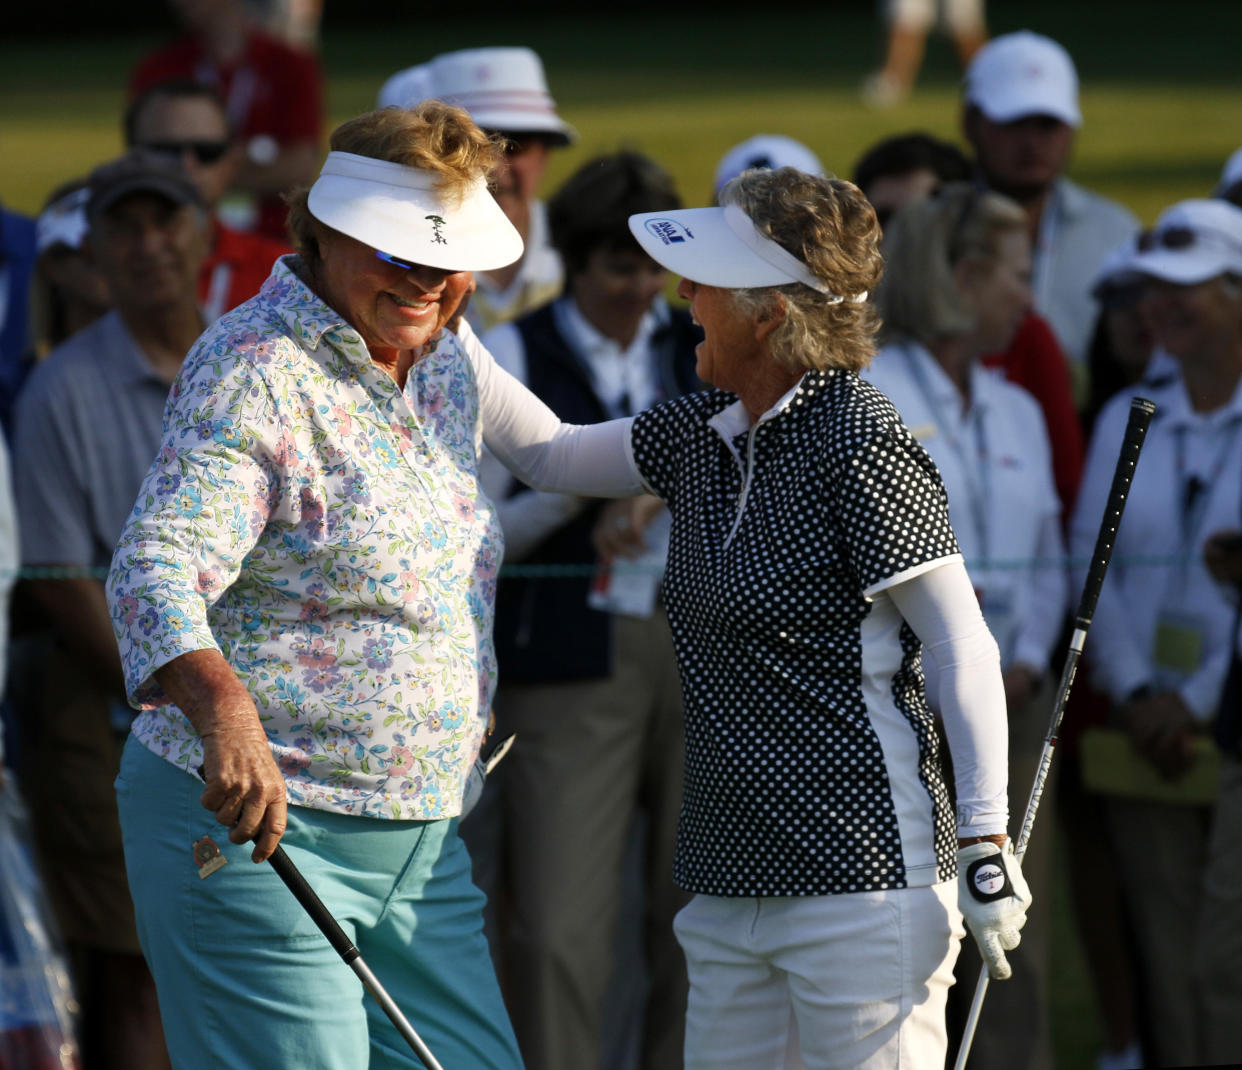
273,97
186,121
17,259
506,93
87,428
1229,188
1163,632
588,675
68,291
956,287
908,23
765,152
907,167
1020,117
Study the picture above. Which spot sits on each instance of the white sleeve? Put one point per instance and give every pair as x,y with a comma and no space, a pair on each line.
941,607
532,442
529,516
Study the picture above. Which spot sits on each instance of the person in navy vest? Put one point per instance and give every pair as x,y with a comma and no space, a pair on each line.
588,674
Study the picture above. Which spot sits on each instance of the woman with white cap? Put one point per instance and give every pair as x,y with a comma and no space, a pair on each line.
811,558
1164,630
303,603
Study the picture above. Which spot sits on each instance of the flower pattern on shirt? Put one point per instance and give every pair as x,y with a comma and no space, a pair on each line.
326,532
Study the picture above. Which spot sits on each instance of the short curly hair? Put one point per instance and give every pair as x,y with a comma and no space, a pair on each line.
831,227
434,137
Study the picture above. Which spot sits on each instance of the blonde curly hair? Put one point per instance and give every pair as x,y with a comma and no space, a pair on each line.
434,137
831,227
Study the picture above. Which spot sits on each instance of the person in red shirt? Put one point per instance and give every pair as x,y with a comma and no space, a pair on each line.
273,95
187,120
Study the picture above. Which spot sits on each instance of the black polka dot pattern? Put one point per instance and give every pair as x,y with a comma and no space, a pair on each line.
787,790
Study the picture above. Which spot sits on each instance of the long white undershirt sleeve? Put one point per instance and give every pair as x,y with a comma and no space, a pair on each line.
530,440
941,608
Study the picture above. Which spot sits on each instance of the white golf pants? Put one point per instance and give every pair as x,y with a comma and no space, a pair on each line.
863,977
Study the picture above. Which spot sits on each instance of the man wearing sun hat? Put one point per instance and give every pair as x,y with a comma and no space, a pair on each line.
506,93
1020,116
1163,634
767,151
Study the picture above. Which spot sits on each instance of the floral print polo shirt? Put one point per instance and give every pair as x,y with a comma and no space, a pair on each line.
326,532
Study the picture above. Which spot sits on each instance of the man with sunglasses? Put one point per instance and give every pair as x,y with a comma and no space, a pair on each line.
187,122
1020,116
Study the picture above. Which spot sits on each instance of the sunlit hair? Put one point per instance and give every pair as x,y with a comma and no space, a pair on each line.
919,297
433,137
831,227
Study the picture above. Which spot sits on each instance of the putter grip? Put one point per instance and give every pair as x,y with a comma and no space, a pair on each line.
1141,411
313,905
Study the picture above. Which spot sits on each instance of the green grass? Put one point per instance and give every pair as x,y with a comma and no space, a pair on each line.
1160,100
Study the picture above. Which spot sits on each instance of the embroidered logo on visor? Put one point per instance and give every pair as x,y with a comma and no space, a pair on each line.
669,231
437,235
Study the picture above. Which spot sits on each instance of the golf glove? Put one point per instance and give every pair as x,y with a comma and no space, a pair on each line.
993,898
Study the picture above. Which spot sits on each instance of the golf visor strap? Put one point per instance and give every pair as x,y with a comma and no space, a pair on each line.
402,211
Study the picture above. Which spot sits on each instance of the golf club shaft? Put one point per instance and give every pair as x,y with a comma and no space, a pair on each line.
341,943
1141,411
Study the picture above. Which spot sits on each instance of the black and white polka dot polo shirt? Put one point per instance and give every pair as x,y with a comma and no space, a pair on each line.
812,766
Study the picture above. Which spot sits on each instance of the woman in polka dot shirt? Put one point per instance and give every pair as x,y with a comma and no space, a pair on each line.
811,562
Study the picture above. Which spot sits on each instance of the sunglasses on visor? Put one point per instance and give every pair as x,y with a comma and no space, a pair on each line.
1169,238
405,265
205,152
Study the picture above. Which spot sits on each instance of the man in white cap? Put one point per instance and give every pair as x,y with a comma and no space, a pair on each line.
1164,633
506,93
1020,116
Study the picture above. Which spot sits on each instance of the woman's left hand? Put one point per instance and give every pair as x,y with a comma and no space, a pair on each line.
619,530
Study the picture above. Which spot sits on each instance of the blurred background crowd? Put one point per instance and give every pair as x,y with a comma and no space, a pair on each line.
1022,310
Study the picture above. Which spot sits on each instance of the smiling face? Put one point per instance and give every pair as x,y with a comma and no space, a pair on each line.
390,306
1195,322
149,250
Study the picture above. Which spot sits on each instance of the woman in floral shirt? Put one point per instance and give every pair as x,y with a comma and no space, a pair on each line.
303,603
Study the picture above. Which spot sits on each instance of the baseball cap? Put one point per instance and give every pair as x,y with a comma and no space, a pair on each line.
407,88
63,222
400,210
138,171
722,247
767,151
503,89
1192,242
1021,74
1231,175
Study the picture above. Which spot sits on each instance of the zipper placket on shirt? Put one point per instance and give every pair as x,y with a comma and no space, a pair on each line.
748,475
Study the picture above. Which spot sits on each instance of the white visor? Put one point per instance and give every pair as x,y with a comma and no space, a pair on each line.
398,210
721,247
